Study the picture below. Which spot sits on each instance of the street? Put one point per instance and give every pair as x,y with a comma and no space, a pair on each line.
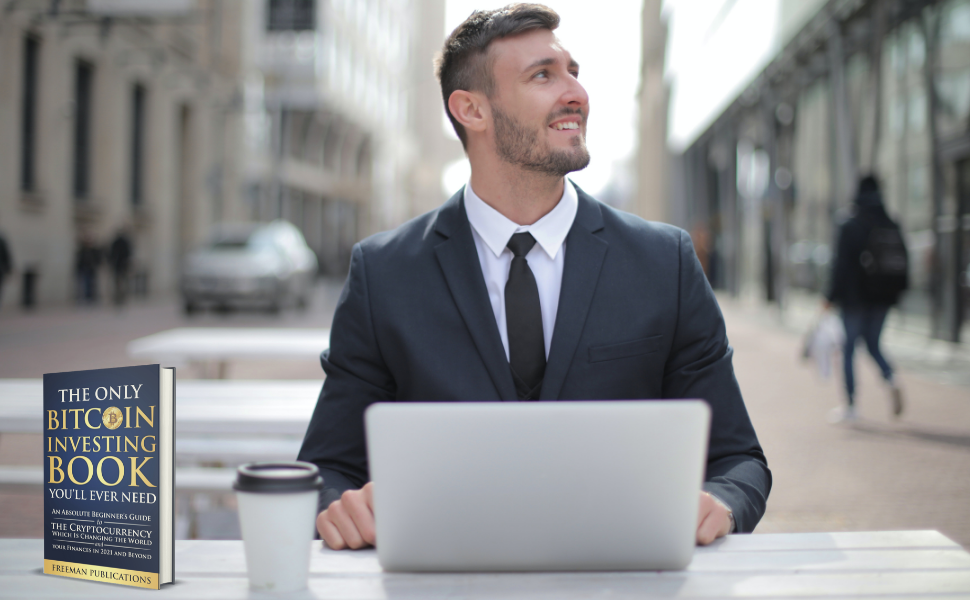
910,473
880,474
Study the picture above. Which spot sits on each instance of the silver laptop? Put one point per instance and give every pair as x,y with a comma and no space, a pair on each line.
536,486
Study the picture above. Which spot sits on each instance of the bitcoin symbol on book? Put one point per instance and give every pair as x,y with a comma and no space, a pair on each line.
112,417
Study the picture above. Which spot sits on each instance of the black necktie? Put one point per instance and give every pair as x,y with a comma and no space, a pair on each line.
523,316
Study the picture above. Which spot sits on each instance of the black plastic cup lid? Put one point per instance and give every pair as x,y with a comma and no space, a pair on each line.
277,477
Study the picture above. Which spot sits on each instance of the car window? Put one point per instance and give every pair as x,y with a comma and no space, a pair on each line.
262,239
229,244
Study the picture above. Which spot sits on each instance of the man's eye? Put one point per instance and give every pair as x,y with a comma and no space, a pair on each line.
540,74
575,74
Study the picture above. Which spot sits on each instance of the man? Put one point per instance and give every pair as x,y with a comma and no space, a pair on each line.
522,287
87,260
868,277
119,257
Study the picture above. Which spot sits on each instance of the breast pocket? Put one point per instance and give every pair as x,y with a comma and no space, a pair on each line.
605,352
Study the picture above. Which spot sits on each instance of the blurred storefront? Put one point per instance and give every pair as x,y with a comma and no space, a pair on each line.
860,86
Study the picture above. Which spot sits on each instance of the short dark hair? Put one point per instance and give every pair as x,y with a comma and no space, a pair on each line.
463,63
868,184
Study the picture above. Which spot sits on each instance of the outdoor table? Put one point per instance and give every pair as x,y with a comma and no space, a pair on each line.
185,345
216,422
202,406
903,564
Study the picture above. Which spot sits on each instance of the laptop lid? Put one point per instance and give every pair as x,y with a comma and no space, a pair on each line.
536,486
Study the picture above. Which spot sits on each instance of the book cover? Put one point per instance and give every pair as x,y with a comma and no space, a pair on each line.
109,475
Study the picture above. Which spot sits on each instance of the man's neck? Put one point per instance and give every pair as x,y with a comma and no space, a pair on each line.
521,196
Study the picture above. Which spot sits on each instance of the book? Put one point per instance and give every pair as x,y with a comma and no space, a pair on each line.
109,477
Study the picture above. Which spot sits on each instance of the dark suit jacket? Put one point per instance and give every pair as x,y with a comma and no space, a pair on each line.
637,320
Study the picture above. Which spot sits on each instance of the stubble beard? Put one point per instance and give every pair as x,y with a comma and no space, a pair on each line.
519,145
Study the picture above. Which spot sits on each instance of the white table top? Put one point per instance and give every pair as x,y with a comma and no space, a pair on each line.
225,343
202,406
912,564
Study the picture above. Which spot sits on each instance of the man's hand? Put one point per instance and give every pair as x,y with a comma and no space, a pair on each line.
712,520
349,522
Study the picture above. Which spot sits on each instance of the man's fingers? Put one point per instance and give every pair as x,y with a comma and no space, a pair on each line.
712,519
329,532
704,508
707,529
345,524
360,512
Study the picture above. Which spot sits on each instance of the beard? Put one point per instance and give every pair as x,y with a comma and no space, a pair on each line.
519,145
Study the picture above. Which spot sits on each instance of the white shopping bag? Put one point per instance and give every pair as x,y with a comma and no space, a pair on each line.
825,342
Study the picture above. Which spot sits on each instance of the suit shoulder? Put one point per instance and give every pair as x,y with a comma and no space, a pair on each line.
652,233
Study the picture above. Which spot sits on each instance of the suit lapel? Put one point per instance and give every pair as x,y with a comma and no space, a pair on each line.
584,258
459,263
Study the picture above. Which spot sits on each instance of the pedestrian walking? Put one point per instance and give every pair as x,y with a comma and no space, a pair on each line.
119,259
6,264
87,261
869,275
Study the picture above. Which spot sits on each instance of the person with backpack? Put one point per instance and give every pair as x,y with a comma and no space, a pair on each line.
869,275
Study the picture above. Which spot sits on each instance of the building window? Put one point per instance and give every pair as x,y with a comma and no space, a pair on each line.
28,117
137,144
290,15
83,88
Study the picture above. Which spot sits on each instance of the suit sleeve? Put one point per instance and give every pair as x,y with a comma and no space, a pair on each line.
356,378
700,367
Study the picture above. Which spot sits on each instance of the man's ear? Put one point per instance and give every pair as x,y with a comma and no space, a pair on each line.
469,109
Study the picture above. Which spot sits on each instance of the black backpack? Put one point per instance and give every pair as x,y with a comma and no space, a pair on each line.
885,264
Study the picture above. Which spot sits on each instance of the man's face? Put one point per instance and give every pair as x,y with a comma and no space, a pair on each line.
539,109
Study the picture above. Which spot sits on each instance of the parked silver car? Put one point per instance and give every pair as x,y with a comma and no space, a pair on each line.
265,265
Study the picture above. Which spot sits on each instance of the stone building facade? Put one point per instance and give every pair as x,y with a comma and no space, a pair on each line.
114,115
165,118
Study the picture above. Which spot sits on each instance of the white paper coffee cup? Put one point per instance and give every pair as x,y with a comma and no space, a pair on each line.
277,514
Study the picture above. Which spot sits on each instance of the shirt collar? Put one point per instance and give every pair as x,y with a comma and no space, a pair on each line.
495,229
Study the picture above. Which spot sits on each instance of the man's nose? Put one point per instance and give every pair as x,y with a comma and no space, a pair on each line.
575,94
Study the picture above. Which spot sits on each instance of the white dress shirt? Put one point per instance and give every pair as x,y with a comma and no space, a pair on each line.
492,232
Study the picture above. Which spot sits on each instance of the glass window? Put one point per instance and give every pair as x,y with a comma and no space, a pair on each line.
137,144
917,110
897,117
954,90
83,88
290,15
28,115
956,22
897,55
917,48
918,210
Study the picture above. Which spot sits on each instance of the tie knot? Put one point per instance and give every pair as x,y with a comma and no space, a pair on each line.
521,243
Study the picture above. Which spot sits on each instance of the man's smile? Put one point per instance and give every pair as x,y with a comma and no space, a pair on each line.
568,122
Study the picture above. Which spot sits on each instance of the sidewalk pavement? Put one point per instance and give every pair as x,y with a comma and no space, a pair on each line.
881,474
68,338
905,337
